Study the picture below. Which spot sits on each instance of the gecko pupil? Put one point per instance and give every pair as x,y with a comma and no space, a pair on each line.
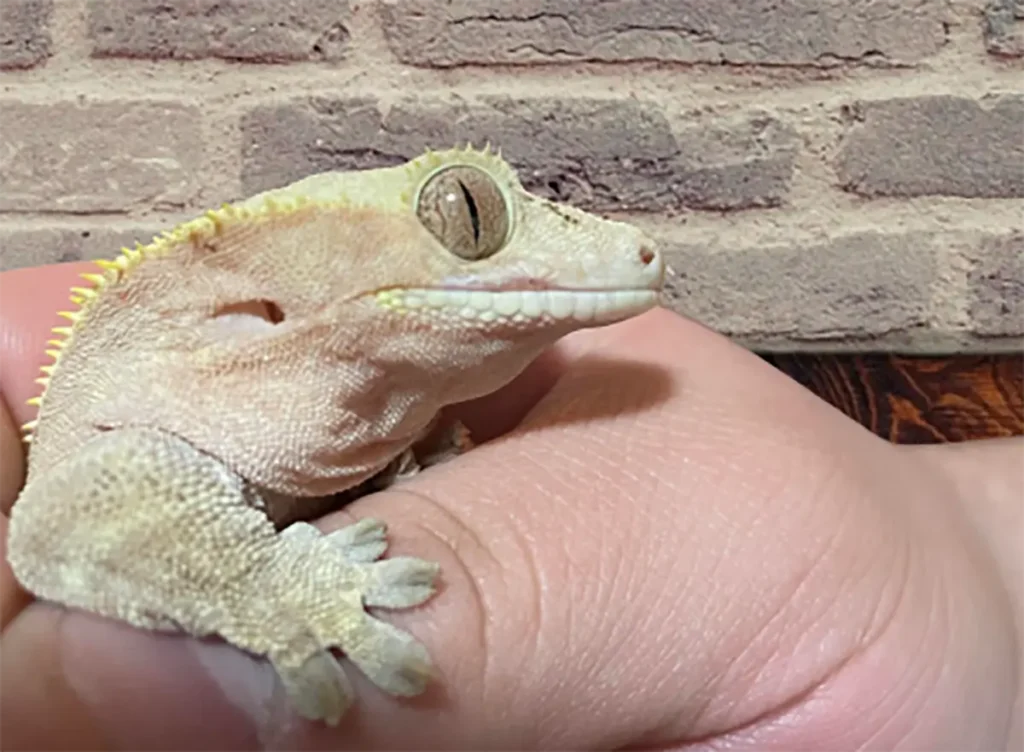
474,214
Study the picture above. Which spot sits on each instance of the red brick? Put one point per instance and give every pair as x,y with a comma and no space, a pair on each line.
98,156
848,288
935,145
56,245
24,33
997,286
752,32
596,153
269,31
1004,28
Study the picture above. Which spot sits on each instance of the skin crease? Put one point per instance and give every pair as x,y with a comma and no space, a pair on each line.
678,547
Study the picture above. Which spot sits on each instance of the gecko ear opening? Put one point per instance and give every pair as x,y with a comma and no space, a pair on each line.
250,313
465,210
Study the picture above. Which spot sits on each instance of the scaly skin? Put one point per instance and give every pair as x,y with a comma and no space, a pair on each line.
216,385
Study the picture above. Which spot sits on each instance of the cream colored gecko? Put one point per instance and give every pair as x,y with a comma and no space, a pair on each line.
213,387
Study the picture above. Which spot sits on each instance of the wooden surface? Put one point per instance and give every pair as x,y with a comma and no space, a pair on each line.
918,400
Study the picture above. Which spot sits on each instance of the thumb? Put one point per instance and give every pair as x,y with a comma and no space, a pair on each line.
77,682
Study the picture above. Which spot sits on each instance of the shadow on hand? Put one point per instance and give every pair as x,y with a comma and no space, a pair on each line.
559,390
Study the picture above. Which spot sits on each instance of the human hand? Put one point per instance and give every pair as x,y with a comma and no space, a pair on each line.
677,546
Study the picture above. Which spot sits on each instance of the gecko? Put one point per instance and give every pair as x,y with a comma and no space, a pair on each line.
213,387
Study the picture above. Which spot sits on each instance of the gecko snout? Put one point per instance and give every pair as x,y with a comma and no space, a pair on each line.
651,261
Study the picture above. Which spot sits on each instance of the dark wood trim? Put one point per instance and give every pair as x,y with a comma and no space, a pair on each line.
917,400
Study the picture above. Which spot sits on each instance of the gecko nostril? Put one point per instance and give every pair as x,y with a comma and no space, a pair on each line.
647,256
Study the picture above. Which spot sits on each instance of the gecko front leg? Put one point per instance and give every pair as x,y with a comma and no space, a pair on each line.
444,441
140,525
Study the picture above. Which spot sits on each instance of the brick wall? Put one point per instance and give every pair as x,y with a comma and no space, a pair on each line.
826,174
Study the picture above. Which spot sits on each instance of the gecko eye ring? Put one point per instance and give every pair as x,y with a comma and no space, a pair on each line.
465,209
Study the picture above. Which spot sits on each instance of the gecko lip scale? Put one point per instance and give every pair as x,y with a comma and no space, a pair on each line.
589,306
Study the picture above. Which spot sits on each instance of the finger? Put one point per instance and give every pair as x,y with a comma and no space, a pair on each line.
74,682
12,458
29,302
12,598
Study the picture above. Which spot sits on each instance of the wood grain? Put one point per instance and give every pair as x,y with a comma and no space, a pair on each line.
912,400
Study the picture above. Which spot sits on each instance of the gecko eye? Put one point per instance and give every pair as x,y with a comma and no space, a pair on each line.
465,210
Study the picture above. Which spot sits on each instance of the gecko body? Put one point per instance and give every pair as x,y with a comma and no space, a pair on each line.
215,383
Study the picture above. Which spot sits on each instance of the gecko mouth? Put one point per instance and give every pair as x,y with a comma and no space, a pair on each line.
520,306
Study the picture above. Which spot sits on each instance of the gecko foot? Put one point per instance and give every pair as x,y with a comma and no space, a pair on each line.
321,585
97,532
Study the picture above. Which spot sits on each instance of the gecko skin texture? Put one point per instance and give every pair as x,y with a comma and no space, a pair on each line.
214,387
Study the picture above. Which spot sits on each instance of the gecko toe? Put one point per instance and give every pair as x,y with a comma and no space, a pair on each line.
401,582
318,688
392,659
362,541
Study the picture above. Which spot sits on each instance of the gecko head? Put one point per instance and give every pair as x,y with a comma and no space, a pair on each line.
489,256
450,252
